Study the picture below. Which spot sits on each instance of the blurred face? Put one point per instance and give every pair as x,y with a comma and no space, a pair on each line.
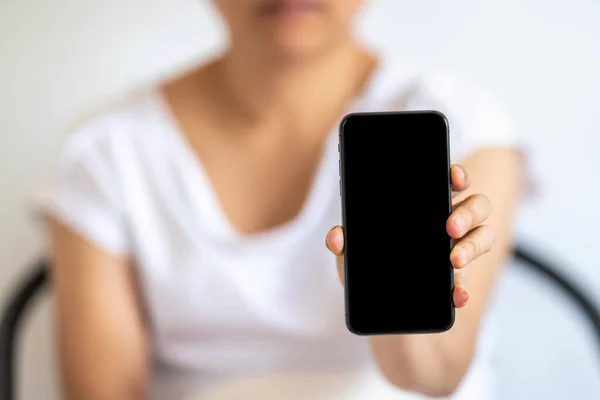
289,28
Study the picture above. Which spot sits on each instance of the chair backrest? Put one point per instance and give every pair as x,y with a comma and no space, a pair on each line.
553,273
18,303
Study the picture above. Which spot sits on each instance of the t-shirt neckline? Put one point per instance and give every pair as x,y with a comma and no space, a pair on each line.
209,209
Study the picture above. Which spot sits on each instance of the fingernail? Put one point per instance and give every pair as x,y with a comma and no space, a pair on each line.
338,239
461,224
460,255
459,170
467,296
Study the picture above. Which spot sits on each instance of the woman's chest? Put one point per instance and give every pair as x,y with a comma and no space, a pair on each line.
202,277
261,186
205,281
218,293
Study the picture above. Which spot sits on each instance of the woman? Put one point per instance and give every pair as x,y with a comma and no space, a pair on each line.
189,220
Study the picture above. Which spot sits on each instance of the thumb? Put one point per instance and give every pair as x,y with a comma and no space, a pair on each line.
335,244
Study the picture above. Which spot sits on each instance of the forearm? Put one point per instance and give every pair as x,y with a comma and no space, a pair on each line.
436,364
101,369
415,363
102,339
79,390
430,364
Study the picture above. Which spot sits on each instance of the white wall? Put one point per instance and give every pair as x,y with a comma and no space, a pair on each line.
540,57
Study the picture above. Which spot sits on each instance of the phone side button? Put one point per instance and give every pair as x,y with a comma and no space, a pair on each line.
340,187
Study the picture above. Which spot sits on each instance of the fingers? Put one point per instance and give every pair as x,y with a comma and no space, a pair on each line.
475,244
335,240
460,297
459,179
465,224
468,214
335,244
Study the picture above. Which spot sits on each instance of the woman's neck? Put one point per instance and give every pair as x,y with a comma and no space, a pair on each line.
292,92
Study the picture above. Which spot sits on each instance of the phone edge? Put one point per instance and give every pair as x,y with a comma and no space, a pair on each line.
342,123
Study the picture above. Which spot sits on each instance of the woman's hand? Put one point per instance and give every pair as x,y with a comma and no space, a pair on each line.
465,225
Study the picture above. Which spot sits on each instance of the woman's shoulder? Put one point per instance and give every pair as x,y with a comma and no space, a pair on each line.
398,81
477,118
142,115
130,116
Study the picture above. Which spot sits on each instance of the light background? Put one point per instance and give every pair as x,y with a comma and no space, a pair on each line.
540,58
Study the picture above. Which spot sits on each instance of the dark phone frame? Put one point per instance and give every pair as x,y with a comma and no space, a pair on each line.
342,176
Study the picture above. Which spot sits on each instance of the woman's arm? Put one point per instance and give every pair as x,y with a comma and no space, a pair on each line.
436,364
100,326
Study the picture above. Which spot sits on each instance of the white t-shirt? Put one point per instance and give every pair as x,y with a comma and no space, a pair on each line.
223,305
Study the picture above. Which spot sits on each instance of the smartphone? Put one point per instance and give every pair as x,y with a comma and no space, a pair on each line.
396,200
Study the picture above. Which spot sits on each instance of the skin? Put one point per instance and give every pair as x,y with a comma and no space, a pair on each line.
253,118
436,364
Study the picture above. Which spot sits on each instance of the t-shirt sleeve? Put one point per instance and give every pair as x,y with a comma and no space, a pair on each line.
476,120
84,192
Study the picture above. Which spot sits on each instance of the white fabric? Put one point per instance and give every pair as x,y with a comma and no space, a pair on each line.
225,306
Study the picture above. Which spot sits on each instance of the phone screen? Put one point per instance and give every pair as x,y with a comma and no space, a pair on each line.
396,199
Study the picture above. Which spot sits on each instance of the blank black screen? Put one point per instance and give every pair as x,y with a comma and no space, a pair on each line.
396,199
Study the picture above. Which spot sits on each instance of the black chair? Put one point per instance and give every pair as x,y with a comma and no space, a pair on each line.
37,280
30,287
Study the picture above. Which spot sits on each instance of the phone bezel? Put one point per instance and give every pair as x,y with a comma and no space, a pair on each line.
342,177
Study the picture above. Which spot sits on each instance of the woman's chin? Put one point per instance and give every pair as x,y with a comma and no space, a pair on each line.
295,49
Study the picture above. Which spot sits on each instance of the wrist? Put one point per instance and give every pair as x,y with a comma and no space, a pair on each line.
425,364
